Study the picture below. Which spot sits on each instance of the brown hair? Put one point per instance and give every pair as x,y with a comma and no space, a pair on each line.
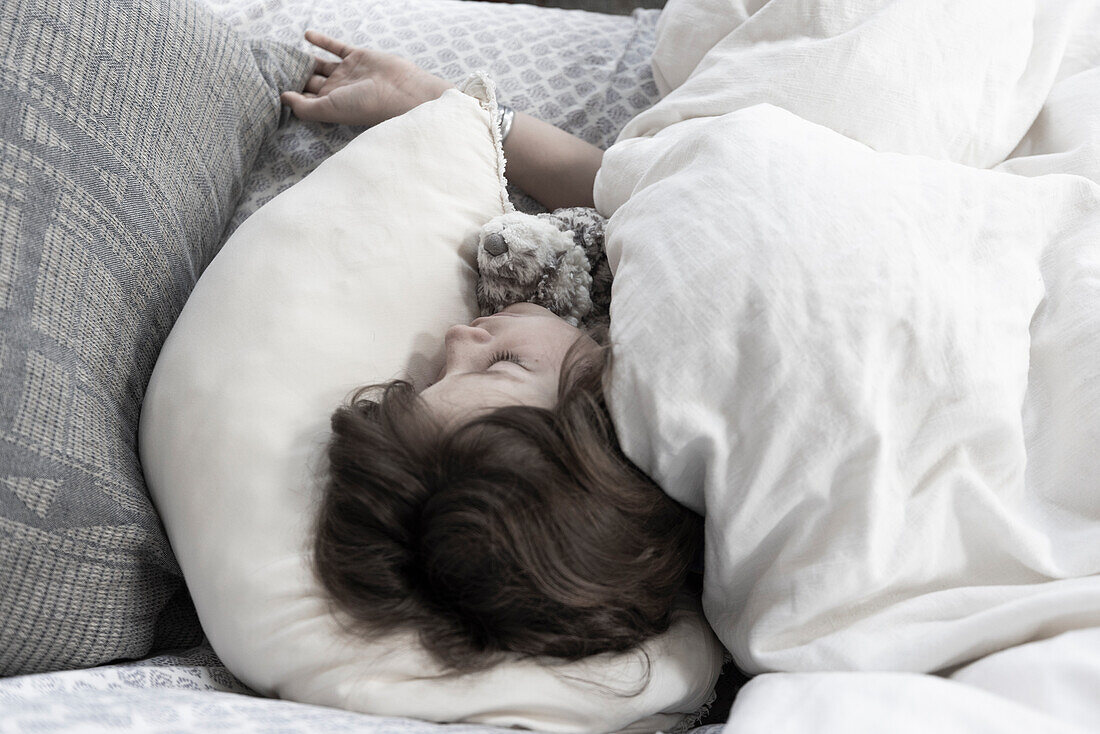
525,530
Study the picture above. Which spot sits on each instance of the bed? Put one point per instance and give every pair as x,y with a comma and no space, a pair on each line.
78,656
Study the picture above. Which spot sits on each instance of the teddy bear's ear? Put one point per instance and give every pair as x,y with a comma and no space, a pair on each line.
586,223
562,223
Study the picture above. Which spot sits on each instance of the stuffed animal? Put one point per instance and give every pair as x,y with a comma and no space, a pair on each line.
554,260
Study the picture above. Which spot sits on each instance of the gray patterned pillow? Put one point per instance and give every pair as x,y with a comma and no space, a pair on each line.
126,129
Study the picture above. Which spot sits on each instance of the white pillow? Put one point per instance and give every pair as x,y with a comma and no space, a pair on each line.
351,277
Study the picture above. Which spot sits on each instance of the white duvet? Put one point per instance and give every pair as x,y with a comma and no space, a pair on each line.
856,322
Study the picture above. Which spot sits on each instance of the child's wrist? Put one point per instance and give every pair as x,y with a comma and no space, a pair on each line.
427,94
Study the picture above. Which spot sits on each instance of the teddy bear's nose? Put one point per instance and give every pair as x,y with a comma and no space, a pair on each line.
495,245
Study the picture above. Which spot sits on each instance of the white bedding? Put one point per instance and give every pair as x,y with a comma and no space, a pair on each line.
868,347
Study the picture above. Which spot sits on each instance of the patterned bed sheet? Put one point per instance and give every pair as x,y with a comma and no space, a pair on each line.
187,691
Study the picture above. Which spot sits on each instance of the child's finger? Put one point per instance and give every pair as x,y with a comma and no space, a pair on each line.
324,68
297,102
329,44
309,107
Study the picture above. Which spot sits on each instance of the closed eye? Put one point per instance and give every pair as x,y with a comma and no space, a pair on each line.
505,357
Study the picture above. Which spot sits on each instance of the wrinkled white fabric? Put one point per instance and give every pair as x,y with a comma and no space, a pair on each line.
1059,676
1048,686
874,368
960,81
871,703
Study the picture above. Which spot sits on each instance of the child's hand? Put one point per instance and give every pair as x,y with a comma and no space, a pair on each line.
364,88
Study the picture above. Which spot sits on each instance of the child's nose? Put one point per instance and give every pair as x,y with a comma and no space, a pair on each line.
464,333
465,347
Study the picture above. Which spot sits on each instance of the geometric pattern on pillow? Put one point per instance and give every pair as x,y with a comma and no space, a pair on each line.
125,132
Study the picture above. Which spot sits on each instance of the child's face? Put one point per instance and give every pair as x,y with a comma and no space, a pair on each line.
510,358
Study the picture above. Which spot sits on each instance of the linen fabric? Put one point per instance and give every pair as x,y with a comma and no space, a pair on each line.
1048,685
956,81
125,131
351,277
874,372
863,703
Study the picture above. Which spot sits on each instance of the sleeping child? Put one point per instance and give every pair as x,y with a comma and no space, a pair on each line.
493,511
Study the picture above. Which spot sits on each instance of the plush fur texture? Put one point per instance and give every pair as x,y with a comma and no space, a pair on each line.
554,260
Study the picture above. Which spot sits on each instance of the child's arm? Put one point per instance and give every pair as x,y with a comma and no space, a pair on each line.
366,87
556,168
